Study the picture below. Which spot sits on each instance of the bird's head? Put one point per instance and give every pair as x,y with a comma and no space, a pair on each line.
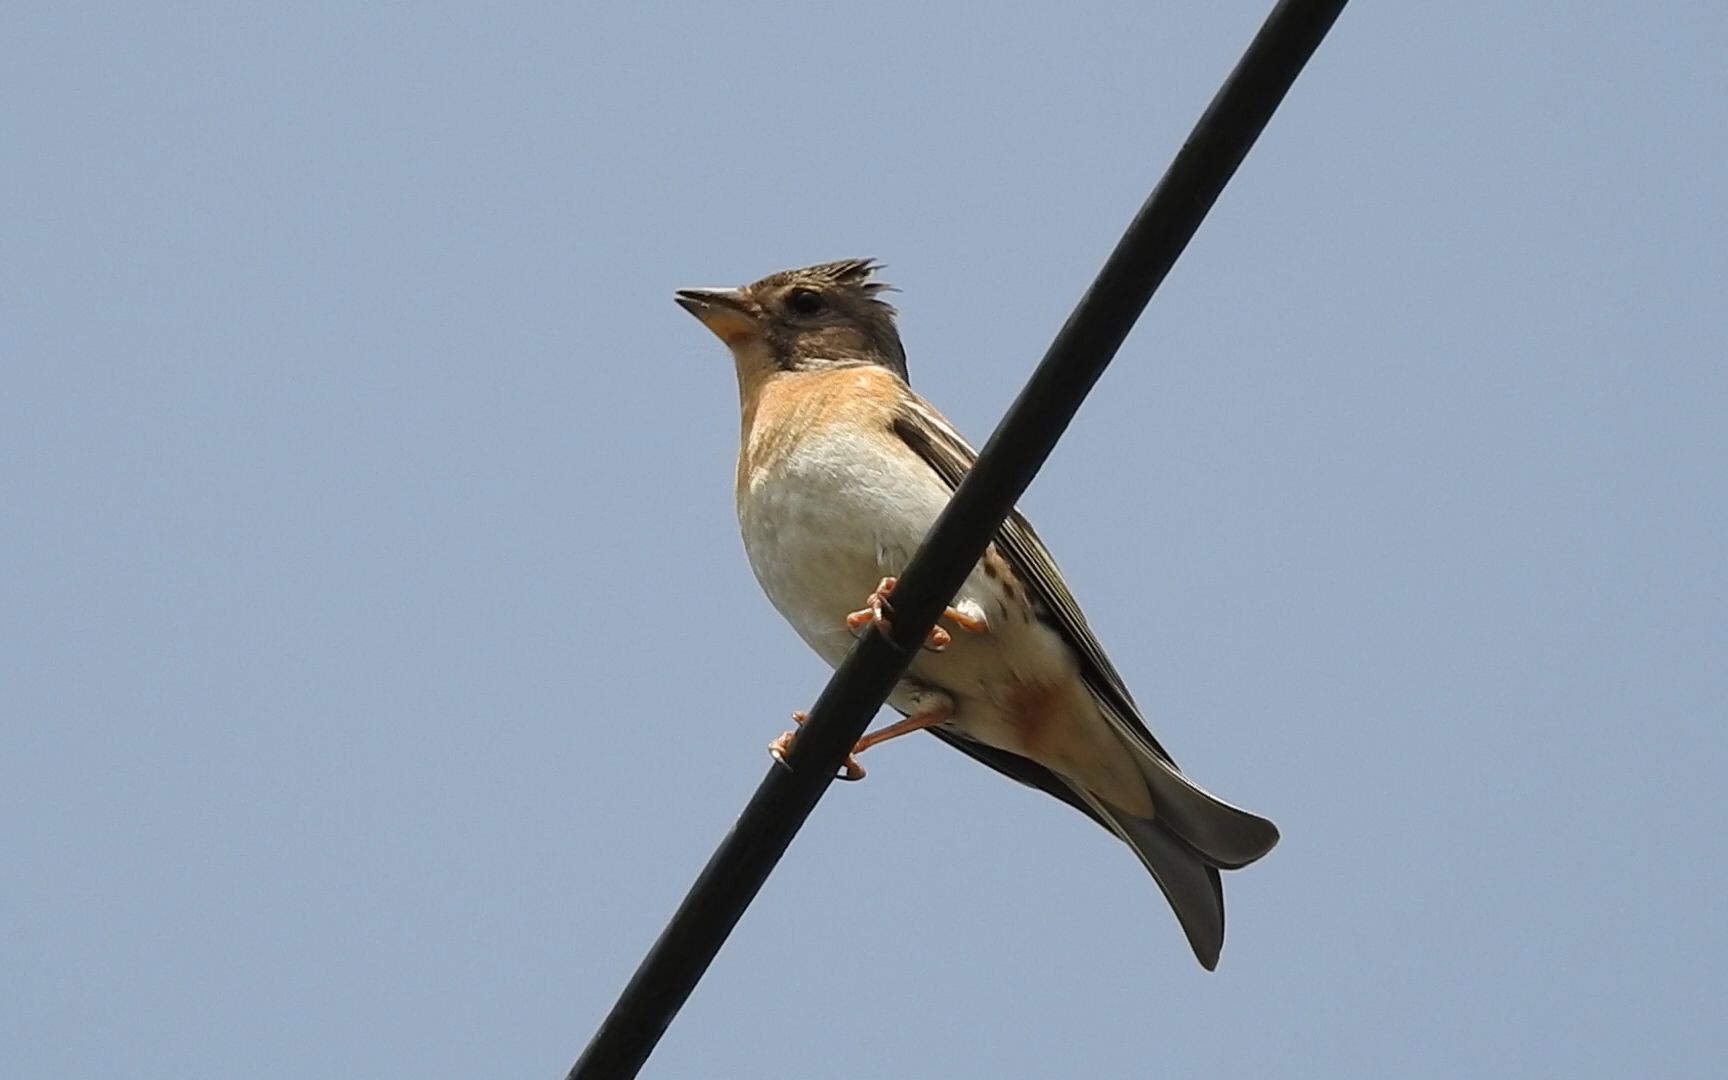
798,320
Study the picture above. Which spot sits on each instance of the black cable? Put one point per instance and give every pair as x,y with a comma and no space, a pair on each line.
1024,438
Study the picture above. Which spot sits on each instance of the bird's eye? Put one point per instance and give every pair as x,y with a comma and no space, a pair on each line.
805,301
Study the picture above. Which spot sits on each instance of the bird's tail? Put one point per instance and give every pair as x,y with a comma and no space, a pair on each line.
1225,836
1191,835
1188,882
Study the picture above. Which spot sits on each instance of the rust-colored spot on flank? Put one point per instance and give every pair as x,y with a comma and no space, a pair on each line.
1035,710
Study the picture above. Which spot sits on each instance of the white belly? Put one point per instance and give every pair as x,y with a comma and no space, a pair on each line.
827,522
824,526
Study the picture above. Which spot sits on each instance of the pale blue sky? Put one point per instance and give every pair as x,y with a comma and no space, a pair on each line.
378,658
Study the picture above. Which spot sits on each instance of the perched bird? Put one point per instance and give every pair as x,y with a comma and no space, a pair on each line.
841,471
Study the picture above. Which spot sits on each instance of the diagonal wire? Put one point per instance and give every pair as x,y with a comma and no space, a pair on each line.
1021,442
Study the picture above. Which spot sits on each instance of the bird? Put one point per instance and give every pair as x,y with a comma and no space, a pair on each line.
842,468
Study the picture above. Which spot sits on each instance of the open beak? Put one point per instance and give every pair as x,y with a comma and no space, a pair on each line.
721,310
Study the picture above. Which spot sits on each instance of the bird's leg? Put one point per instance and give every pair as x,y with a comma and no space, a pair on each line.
851,770
875,613
933,716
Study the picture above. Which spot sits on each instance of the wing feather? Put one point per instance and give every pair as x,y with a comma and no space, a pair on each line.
932,438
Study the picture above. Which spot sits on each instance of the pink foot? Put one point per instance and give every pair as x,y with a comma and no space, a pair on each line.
783,743
875,613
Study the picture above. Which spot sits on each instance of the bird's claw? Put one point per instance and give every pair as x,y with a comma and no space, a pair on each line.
875,613
849,769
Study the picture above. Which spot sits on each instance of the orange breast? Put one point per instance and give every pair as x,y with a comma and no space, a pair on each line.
783,407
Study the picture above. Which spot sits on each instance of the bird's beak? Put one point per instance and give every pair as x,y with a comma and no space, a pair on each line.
722,311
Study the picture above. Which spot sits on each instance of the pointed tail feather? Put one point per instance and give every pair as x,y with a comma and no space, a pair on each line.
1226,836
1192,887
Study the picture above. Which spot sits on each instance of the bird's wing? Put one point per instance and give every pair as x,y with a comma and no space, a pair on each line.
1019,768
931,437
